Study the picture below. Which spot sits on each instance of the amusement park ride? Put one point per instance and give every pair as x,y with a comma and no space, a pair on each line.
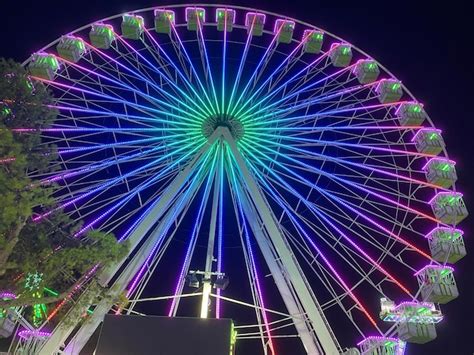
286,145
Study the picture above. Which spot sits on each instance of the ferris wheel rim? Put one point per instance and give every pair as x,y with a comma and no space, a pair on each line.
240,8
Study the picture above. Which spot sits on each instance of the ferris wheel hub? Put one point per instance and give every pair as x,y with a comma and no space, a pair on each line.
235,127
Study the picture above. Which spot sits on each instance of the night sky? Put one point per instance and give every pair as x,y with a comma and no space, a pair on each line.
427,46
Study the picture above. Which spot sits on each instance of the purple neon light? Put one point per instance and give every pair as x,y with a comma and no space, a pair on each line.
110,183
425,131
26,334
444,193
227,13
191,10
326,261
256,16
348,239
439,160
433,267
445,230
7,295
167,12
279,23
377,338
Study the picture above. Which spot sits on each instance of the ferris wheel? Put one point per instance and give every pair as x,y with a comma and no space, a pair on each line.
262,170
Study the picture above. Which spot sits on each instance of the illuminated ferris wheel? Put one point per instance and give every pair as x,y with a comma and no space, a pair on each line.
262,169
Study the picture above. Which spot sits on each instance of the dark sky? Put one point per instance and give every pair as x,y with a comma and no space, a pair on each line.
427,45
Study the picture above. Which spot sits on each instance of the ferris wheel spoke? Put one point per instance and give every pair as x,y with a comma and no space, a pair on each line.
127,117
93,166
287,122
269,79
123,200
291,214
192,95
364,214
127,103
299,89
310,142
273,191
76,96
182,50
283,110
327,81
206,64
255,72
176,98
241,65
346,203
344,182
143,76
183,198
343,162
125,144
124,86
326,219
111,182
224,57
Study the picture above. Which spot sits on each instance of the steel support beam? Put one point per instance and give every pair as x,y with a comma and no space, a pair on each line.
61,332
207,287
290,268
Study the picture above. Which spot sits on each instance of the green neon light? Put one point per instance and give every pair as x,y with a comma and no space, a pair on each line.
415,108
6,111
445,167
51,292
395,86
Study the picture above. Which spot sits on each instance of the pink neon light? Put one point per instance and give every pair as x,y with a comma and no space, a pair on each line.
256,17
441,160
227,12
26,334
378,338
383,81
445,193
168,12
433,267
194,10
74,290
444,229
429,305
7,294
7,160
280,23
402,105
427,131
